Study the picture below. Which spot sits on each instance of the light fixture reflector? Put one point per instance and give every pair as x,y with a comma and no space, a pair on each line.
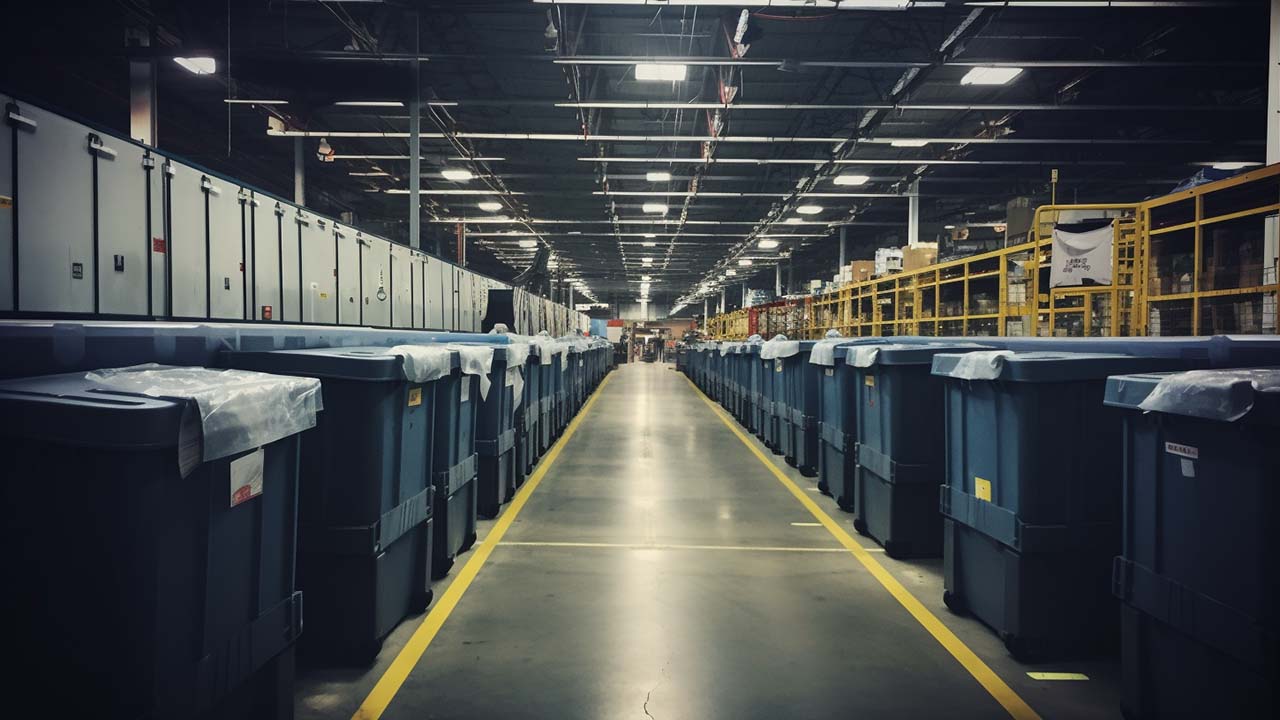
668,72
990,75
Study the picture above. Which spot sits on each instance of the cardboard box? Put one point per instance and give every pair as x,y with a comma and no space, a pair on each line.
918,258
860,270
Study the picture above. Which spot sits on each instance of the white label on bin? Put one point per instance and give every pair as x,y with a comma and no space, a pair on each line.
1188,468
464,390
246,477
1185,451
830,372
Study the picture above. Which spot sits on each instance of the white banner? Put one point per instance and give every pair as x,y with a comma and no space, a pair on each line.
1081,256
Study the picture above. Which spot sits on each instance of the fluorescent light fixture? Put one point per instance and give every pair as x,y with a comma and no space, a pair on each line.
990,75
851,179
655,208
744,262
793,221
243,101
909,143
767,244
490,206
650,235
457,175
669,72
370,103
649,243
374,173
657,176
948,227
646,261
198,65
528,243
1234,165
730,273
646,278
809,209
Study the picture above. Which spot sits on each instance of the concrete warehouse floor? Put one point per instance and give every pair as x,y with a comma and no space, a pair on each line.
656,567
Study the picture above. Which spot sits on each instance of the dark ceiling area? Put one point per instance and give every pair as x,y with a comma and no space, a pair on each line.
540,103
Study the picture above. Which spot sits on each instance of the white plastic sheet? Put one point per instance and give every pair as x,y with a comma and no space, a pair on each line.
729,348
824,351
1224,395
779,347
423,363
1078,257
476,360
239,409
981,365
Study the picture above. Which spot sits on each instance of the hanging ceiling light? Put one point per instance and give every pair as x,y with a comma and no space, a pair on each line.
669,72
990,75
744,262
793,221
457,175
490,206
850,179
809,209
767,244
657,176
655,208
198,65
528,243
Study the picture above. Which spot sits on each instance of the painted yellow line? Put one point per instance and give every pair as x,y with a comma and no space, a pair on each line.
389,684
1057,676
986,677
655,546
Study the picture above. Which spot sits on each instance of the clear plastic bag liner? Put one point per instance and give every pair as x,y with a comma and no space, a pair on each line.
423,363
779,347
729,348
517,354
981,365
1224,395
824,351
240,410
476,360
755,339
832,333
515,378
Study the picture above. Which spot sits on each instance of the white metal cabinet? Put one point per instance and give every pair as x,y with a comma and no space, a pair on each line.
292,301
319,283
267,241
124,247
55,214
401,286
185,242
226,247
349,241
375,286
434,294
6,210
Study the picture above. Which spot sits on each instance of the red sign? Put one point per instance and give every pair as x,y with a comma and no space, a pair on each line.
157,244
266,312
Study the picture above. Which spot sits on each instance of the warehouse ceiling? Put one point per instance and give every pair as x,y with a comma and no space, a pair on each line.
541,104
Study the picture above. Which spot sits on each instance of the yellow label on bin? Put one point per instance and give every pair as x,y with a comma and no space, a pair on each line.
982,488
869,381
777,366
415,396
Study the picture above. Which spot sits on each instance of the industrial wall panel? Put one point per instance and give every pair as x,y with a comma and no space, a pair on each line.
348,274
431,294
419,279
401,287
319,285
6,212
377,281
466,300
291,301
124,247
186,242
448,277
55,215
267,242
227,245
158,211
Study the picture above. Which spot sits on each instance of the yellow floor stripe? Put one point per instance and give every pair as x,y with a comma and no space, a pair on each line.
1057,676
656,546
1003,694
389,684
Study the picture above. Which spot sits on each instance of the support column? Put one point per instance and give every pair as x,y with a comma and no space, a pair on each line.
299,174
706,307
722,301
913,214
744,294
777,281
1273,86
844,248
791,276
415,170
142,101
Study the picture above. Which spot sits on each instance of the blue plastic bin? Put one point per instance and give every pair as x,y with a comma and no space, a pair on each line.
365,541
496,431
530,411
1032,495
455,467
1198,577
898,416
133,591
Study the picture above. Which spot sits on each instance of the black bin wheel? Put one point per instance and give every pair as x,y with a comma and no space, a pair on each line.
860,526
954,602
